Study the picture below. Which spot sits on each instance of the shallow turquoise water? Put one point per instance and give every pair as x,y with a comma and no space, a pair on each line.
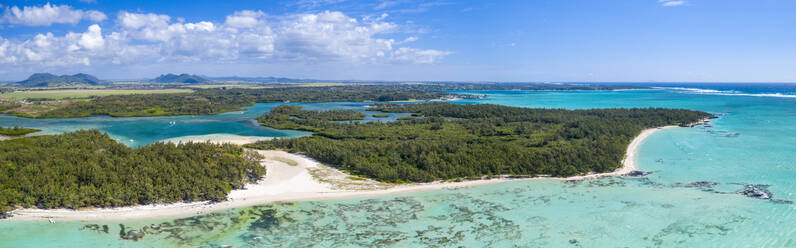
753,143
137,131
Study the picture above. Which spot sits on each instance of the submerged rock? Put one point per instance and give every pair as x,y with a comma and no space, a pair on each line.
760,191
133,235
705,186
731,135
637,173
756,191
702,184
723,133
574,181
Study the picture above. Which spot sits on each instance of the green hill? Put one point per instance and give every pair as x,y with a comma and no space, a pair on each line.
50,80
182,78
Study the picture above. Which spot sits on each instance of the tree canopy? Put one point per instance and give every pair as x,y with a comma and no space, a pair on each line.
214,101
449,141
88,168
17,131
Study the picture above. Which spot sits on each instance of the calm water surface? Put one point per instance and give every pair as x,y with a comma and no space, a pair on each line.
690,200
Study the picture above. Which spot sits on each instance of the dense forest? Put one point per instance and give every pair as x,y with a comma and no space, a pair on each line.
88,168
454,141
306,120
16,131
214,101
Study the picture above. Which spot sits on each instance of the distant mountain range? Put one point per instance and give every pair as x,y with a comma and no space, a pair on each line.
182,78
50,80
263,79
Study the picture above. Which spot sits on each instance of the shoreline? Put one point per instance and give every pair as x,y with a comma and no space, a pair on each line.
294,177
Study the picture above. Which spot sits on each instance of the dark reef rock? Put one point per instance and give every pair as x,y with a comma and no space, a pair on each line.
723,133
96,227
702,184
760,191
731,135
133,235
756,191
574,181
637,173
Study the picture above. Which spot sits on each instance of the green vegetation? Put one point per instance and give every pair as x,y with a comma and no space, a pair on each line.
50,80
146,105
5,105
306,120
380,116
227,86
182,78
456,141
81,93
32,108
214,101
88,168
319,84
17,131
205,101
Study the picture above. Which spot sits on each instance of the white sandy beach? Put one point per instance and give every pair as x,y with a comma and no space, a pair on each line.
218,139
290,177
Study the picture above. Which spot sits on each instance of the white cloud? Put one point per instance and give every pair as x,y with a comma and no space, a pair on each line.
407,40
92,39
132,20
244,19
414,55
244,37
671,3
314,4
331,36
386,4
48,14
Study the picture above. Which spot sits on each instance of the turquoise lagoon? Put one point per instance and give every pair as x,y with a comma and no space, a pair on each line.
690,199
137,131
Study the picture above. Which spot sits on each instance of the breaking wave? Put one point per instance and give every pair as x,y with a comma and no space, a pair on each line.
724,92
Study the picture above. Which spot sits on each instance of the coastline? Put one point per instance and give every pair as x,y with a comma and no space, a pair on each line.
218,139
294,177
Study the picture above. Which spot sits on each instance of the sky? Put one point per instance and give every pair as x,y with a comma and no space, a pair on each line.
405,40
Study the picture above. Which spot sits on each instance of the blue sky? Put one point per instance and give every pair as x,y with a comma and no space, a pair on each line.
558,41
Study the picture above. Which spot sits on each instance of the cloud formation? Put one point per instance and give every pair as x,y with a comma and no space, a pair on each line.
48,14
243,36
671,3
